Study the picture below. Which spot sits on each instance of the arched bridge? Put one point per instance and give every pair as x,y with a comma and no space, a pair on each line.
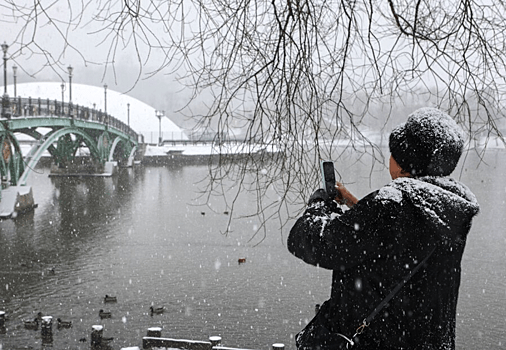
60,129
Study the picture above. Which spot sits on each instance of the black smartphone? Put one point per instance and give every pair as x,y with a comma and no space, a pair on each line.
328,178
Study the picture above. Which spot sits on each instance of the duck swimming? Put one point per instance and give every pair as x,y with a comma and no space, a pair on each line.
31,324
104,314
64,324
156,310
110,299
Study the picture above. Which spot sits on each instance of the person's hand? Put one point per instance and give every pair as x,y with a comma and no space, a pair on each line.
344,196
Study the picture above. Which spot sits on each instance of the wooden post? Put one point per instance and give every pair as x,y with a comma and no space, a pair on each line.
46,330
47,325
215,340
155,332
96,335
2,319
278,346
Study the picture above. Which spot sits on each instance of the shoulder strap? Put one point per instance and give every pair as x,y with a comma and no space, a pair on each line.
394,291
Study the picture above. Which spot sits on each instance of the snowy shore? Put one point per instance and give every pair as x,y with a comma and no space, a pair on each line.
186,153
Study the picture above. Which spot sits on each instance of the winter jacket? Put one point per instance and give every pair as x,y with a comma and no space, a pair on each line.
376,243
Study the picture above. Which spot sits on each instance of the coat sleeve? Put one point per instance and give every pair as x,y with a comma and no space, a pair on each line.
334,240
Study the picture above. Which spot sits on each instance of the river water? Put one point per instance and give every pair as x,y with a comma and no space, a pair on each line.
142,237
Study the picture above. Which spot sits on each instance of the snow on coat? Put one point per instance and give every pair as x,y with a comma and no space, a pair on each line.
373,245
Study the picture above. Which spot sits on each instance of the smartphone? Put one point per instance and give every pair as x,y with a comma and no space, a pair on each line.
328,177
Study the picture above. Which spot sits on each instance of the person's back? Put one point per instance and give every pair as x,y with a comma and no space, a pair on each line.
376,243
415,216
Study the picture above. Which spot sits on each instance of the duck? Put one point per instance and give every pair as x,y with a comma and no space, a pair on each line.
110,299
104,314
64,324
157,310
34,324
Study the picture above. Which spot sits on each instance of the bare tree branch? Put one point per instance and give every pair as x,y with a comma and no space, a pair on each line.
308,77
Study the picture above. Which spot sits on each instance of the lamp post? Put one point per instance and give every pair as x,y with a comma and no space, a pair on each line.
5,97
159,115
128,114
4,49
105,99
62,98
14,71
70,69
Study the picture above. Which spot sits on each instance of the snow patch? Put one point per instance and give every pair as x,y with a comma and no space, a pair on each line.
443,127
388,193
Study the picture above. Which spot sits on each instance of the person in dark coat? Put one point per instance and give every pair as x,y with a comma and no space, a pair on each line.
375,243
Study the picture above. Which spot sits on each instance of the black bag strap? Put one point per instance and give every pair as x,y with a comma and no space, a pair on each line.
349,342
394,291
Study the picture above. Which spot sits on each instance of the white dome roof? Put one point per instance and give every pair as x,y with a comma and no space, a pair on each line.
142,116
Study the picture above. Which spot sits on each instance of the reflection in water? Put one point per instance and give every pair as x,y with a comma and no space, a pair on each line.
141,237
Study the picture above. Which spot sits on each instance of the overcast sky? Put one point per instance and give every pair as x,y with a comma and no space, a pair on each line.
88,48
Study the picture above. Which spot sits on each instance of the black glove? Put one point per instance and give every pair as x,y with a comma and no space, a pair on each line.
319,195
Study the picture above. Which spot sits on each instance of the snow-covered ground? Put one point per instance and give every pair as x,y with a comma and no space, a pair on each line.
187,150
206,149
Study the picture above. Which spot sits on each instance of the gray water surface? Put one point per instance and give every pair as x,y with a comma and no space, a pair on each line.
142,237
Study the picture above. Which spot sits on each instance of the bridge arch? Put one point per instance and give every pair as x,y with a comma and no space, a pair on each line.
121,150
48,140
70,127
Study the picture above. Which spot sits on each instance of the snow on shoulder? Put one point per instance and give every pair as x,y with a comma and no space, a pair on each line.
389,193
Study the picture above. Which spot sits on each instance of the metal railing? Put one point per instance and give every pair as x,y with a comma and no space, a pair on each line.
28,107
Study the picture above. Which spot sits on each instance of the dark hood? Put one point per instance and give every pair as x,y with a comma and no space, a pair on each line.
441,201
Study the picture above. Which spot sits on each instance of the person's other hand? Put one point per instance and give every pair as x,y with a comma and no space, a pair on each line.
344,196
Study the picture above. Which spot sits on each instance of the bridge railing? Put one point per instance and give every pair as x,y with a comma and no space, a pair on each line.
27,107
